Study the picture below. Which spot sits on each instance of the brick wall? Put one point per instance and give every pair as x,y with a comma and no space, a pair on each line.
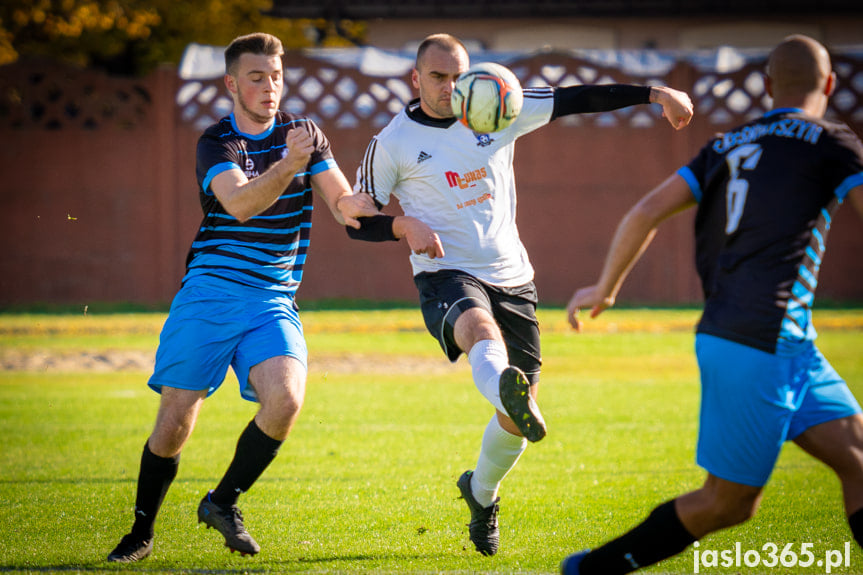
98,201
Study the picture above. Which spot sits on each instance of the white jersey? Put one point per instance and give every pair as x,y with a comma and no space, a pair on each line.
461,184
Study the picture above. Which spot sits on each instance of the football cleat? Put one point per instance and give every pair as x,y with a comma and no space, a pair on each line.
483,529
227,520
519,404
130,549
569,565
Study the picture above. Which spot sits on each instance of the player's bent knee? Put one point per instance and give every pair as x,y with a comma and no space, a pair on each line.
723,504
285,403
734,511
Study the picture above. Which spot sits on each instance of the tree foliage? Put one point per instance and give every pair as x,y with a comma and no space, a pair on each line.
134,36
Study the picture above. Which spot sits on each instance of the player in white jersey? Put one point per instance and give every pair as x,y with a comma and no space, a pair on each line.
462,186
457,190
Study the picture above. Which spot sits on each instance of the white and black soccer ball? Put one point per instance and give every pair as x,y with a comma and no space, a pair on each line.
487,97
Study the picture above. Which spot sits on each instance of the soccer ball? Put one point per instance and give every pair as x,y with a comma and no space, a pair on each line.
487,97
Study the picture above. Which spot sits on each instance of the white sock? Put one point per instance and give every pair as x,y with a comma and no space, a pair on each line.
499,453
488,359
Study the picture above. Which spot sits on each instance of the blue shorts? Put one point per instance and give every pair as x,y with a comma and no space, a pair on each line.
214,324
753,401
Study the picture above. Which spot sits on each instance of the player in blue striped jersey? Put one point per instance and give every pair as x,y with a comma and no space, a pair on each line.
257,170
765,195
266,250
457,191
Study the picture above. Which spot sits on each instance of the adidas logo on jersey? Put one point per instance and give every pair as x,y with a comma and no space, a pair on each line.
423,157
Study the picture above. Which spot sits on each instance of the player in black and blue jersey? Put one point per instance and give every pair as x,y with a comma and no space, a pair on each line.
256,172
765,194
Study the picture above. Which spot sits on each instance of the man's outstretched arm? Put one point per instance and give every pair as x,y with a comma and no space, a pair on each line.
593,98
633,235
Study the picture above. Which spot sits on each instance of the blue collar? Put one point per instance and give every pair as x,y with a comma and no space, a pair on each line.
784,111
260,136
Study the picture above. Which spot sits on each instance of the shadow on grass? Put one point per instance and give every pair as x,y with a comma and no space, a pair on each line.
299,563
67,480
339,558
93,568
280,479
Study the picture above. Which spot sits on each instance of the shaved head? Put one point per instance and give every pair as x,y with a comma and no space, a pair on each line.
798,66
445,42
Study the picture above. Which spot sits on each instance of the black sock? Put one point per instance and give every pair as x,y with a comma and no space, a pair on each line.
658,537
154,479
855,521
255,451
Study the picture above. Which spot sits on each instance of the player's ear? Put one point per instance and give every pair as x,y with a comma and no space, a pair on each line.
830,84
415,78
231,83
768,86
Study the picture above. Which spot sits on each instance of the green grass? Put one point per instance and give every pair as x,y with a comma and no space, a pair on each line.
366,482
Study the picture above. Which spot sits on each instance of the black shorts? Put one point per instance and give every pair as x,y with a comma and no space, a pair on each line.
446,294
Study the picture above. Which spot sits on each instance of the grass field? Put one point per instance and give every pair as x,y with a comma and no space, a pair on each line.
366,482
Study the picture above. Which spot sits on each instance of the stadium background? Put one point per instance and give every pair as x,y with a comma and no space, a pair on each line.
99,201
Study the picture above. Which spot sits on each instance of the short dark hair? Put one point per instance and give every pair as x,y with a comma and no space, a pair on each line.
255,43
446,42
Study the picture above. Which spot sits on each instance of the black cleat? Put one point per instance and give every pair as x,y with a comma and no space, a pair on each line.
130,549
519,404
227,520
483,520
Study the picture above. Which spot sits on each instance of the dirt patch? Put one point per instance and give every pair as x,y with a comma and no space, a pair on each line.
130,360
15,360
